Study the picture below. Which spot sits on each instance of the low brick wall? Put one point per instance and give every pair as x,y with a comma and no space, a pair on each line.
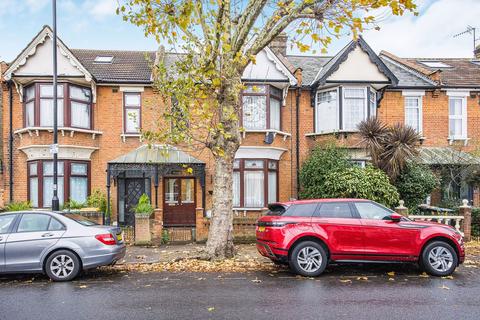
142,230
243,228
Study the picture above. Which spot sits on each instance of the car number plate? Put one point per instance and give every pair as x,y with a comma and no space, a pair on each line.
261,229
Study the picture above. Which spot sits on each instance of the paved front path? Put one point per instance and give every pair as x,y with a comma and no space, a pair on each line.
344,292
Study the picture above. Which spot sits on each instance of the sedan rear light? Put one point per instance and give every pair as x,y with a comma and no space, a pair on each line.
106,238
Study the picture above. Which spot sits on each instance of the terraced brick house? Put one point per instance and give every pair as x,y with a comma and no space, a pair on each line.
106,98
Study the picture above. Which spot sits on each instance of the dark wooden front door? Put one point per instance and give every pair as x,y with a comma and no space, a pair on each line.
179,201
134,188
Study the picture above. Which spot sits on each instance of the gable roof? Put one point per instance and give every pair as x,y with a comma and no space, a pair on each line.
342,56
30,50
406,76
309,65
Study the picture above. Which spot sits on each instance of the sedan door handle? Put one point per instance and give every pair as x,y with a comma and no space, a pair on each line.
48,234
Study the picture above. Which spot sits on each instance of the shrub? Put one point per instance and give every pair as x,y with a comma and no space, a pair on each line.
367,183
98,199
322,161
73,205
476,222
18,206
414,184
144,207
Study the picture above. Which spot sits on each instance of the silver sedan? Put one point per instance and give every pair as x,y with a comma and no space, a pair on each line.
58,244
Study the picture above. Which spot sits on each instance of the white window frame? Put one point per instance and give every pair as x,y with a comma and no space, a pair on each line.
464,117
366,101
409,94
317,114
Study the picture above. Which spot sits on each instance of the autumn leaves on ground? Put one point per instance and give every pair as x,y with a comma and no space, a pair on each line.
247,260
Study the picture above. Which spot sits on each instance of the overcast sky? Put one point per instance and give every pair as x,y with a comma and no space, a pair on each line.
93,24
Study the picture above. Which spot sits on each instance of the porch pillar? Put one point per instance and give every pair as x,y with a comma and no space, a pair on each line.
155,183
466,211
106,215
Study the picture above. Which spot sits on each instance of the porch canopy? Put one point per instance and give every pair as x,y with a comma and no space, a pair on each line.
438,156
154,161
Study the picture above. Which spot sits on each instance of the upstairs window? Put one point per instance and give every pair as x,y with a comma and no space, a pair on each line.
413,112
457,117
132,102
261,107
74,106
343,108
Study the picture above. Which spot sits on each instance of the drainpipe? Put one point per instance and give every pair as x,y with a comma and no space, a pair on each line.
10,139
297,138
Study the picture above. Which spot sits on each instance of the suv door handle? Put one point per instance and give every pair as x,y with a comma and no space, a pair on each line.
48,234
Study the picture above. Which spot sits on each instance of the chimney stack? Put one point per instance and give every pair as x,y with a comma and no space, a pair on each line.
476,52
279,44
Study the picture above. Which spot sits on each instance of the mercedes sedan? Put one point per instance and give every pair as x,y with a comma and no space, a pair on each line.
309,234
60,245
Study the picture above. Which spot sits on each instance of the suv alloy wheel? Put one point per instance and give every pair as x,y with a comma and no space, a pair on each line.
439,259
308,259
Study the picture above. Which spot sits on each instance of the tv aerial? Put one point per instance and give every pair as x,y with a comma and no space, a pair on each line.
470,30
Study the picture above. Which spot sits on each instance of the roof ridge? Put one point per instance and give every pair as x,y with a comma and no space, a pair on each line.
408,64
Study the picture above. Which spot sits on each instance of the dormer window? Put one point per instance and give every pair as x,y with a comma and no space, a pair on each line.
435,64
73,106
261,107
103,59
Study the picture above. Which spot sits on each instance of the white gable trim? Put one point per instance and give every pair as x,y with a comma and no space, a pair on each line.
280,66
32,47
272,153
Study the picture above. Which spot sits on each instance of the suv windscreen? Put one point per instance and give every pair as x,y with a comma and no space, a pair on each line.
80,219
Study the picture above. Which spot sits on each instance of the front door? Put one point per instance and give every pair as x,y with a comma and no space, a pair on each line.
179,202
134,188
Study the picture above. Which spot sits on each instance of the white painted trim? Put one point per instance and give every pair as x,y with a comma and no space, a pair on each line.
366,100
280,66
273,153
132,88
37,152
31,49
315,111
413,93
464,134
420,110
458,92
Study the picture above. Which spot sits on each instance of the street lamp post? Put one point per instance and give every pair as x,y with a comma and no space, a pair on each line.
54,147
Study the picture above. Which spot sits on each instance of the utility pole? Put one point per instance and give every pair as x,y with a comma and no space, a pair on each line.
54,146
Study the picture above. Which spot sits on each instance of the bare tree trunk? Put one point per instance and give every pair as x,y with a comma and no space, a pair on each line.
220,236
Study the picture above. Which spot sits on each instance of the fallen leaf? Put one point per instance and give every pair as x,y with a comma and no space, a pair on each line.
210,309
444,287
256,280
391,279
82,286
424,275
362,278
448,277
345,280
391,273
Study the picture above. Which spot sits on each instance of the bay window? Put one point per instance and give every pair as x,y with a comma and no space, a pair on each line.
255,183
132,112
457,117
343,108
73,182
261,107
413,112
73,106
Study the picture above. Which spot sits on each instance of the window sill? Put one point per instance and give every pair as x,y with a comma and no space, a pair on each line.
267,131
62,130
124,136
314,134
451,140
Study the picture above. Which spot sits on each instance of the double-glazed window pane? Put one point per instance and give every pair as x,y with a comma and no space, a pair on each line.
412,112
46,91
48,183
78,189
254,164
373,104
255,89
78,93
353,108
171,192
457,118
236,189
254,189
255,112
80,115
275,114
188,188
133,120
30,114
272,186
326,111
46,112
30,93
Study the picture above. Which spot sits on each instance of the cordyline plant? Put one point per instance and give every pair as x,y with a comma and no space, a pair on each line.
217,40
390,147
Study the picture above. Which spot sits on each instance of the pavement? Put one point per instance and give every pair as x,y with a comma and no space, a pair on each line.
356,291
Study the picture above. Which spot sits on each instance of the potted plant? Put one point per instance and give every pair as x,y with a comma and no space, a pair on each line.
144,208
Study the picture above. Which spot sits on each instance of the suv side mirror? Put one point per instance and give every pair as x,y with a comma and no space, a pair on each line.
395,217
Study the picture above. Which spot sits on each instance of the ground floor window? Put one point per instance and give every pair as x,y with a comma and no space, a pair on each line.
255,183
73,182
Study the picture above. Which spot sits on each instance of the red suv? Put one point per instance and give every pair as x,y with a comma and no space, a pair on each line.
308,234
